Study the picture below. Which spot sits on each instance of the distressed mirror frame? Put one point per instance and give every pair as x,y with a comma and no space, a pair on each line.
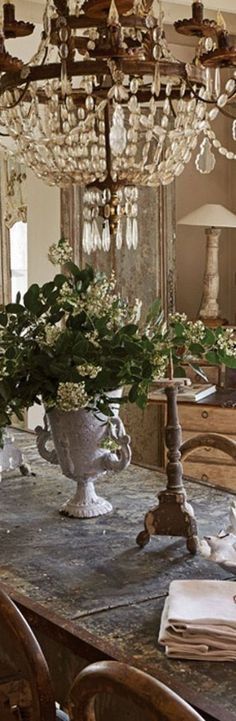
147,272
13,208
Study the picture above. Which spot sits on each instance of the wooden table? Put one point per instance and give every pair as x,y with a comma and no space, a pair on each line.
89,592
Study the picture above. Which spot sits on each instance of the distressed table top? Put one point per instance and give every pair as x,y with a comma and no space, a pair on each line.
92,574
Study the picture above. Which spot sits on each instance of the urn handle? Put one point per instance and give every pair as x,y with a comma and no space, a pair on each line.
120,459
43,435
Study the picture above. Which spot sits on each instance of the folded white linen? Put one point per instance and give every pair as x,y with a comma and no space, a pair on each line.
199,620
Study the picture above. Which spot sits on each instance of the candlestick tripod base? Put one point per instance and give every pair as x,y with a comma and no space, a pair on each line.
173,516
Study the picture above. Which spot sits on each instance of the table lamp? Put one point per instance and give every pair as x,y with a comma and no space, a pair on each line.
213,217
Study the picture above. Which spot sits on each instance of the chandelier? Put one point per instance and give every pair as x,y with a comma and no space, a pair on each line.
105,105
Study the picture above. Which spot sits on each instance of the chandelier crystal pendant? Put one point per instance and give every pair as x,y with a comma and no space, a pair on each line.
103,104
216,51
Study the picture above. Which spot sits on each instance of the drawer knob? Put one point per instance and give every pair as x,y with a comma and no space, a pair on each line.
204,414
204,477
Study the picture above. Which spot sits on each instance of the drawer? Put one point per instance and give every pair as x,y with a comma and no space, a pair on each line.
213,474
208,418
208,455
212,374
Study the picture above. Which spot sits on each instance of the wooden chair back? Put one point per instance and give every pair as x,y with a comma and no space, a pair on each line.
153,700
26,692
25,687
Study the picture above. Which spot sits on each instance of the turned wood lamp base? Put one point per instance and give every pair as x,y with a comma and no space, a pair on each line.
173,516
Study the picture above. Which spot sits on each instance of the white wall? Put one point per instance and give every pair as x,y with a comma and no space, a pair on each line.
193,190
43,230
43,227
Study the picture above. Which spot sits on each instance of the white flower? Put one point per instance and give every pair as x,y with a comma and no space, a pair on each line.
160,363
60,253
226,342
71,396
88,369
177,318
195,331
66,293
52,333
92,337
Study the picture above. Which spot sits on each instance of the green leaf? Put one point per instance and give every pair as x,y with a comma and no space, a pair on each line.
5,390
31,300
229,361
133,393
213,357
129,329
179,329
74,270
3,319
15,308
179,372
4,418
209,337
141,400
197,349
47,288
59,280
31,294
11,352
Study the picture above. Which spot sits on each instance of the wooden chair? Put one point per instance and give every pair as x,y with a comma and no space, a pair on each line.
26,692
152,699
25,686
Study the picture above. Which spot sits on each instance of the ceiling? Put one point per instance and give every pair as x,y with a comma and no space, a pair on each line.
224,5
173,9
227,5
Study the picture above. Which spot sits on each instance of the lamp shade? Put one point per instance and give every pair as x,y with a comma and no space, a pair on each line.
210,216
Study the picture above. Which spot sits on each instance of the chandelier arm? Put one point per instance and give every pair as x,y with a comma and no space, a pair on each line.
212,102
14,105
200,99
87,67
77,22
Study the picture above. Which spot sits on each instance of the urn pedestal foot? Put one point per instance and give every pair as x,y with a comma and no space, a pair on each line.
85,503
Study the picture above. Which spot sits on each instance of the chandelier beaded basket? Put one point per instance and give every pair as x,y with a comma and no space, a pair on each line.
104,104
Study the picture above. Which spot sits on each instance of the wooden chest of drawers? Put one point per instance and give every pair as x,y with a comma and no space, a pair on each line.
208,464
205,464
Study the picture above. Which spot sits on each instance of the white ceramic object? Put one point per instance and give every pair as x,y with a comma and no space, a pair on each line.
221,549
77,438
11,457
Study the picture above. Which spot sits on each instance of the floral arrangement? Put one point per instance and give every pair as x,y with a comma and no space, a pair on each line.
73,340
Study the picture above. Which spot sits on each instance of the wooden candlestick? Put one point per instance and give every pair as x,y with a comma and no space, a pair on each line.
8,13
197,11
173,516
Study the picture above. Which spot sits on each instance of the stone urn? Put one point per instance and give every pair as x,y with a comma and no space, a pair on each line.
78,437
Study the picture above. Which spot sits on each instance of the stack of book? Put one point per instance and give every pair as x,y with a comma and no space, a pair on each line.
194,392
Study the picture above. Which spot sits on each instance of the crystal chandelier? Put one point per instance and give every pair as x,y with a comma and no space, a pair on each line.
104,104
216,51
